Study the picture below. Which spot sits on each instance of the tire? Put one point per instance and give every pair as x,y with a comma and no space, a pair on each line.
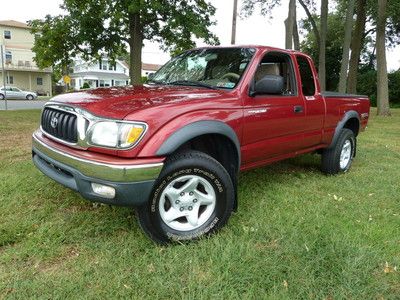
338,159
29,97
1,97
190,182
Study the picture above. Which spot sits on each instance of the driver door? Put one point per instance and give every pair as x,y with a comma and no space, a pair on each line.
273,124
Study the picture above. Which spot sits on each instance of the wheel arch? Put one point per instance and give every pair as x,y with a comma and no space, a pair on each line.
350,120
196,130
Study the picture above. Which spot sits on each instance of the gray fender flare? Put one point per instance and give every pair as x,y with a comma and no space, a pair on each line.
196,129
347,116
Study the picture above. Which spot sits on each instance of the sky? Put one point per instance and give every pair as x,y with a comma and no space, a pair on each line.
254,30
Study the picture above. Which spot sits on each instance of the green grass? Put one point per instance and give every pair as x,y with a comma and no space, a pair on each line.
297,233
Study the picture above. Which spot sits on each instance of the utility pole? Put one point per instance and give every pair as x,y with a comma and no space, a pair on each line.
234,17
4,75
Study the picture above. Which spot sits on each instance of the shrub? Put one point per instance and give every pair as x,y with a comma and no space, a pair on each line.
85,86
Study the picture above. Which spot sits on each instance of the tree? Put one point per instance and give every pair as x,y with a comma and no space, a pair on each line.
289,24
234,18
346,47
95,27
382,76
53,43
296,38
356,46
322,46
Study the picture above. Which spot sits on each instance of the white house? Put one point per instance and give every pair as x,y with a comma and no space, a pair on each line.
102,73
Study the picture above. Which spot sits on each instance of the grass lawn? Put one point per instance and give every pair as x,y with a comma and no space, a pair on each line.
297,233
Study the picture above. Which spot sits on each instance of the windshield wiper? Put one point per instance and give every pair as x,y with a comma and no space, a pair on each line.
192,83
155,81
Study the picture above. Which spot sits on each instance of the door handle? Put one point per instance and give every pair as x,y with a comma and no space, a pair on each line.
298,109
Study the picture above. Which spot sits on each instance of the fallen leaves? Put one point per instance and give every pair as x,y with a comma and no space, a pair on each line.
389,269
285,284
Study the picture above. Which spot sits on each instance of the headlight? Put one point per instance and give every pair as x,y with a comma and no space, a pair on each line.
116,134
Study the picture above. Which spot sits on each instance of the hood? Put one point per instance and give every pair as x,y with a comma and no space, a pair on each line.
117,102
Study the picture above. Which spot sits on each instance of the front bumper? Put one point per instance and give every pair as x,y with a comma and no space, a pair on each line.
132,183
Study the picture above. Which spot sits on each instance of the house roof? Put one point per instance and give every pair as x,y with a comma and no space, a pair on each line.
150,67
145,66
13,23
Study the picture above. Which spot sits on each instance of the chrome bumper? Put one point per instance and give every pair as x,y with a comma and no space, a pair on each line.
109,172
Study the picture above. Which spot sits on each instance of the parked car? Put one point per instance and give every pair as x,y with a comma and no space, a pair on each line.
172,148
16,93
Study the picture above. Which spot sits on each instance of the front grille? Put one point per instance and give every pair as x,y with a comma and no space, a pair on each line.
60,124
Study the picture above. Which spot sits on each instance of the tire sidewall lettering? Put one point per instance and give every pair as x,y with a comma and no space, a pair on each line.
193,235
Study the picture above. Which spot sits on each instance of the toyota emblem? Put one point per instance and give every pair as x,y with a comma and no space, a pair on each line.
54,122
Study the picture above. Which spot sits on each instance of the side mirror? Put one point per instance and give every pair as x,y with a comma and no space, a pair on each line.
269,85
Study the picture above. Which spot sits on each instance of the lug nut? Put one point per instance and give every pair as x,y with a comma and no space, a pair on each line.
177,201
190,208
194,200
191,194
182,208
182,193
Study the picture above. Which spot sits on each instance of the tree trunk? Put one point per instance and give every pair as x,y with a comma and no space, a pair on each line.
356,46
234,17
296,38
289,25
135,44
322,46
346,47
382,76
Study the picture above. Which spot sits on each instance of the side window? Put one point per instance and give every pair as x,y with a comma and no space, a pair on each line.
8,56
7,34
10,79
278,65
39,81
307,76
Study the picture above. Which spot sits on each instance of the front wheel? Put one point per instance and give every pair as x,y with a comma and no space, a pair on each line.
340,157
1,97
192,197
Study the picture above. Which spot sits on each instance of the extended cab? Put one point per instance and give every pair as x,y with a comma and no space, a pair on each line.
172,148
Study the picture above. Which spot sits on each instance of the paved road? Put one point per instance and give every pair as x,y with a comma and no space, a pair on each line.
22,104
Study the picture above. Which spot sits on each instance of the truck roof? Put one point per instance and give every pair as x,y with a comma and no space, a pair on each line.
259,47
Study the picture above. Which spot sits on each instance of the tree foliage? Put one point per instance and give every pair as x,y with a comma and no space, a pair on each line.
92,28
264,7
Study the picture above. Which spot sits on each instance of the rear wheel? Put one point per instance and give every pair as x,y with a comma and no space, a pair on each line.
1,97
339,157
29,97
192,197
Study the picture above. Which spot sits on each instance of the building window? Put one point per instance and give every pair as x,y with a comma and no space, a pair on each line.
112,66
39,81
10,79
8,56
7,34
104,83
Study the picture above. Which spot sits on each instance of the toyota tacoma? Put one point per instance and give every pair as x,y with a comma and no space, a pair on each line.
172,148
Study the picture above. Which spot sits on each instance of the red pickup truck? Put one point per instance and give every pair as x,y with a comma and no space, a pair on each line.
172,148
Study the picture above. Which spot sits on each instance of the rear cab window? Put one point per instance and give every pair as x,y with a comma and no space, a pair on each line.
307,76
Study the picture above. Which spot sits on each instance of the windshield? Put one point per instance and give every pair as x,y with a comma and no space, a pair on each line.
212,68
